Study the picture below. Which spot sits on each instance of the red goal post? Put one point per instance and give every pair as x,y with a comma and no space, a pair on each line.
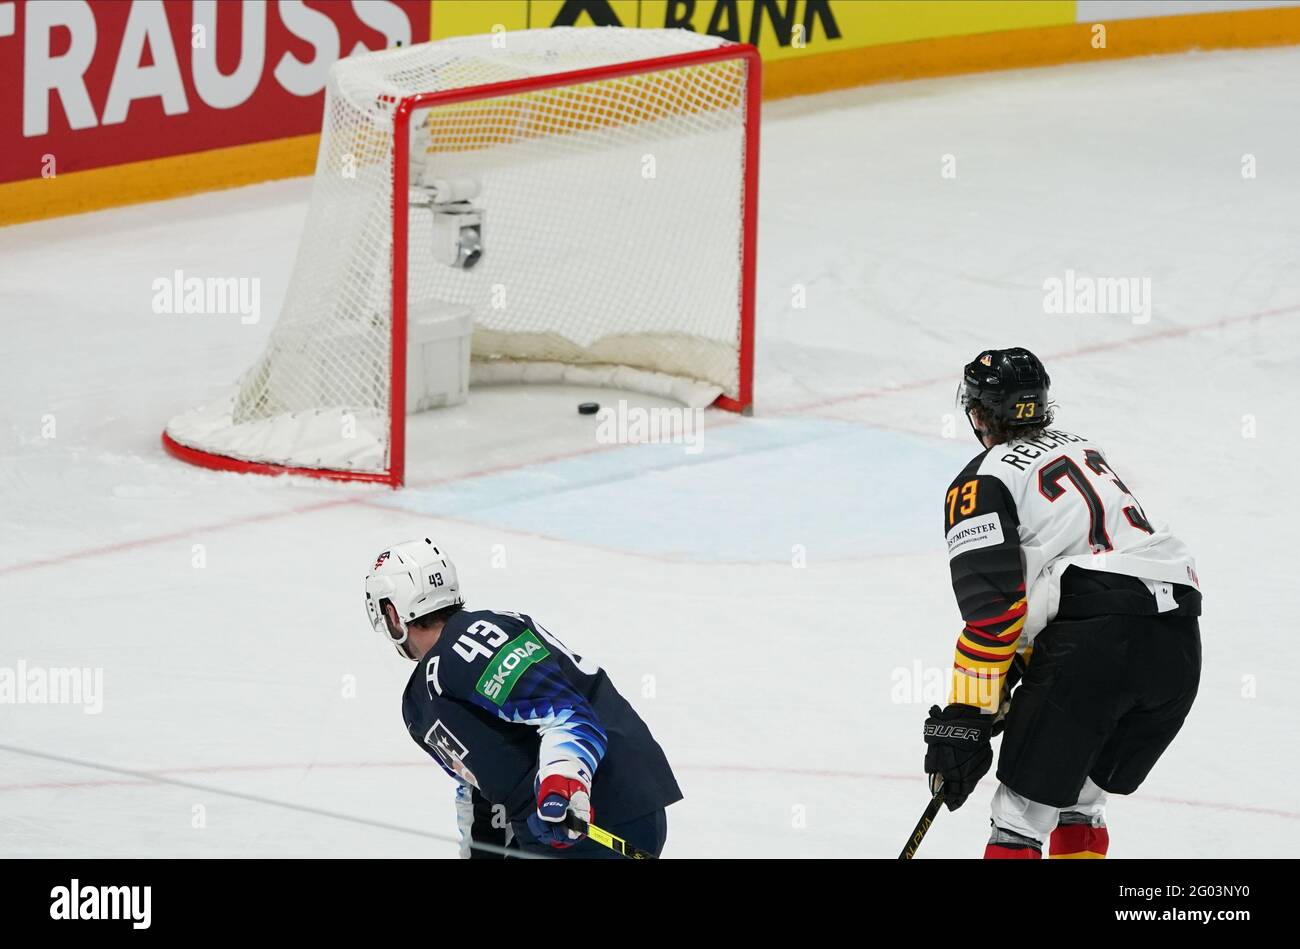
192,451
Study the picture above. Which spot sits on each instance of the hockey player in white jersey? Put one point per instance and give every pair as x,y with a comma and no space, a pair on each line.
1060,576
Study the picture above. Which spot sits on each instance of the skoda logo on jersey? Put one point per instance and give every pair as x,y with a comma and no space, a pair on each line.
511,663
507,666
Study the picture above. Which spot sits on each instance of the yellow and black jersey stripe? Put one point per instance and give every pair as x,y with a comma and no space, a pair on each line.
989,582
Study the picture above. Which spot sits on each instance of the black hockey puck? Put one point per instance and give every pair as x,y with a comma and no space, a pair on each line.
588,408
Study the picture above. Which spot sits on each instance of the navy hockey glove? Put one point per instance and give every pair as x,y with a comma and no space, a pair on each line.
557,796
957,750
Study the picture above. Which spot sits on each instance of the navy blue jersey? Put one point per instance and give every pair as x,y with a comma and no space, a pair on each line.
499,700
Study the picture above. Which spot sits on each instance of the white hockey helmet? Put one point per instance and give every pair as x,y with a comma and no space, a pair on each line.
418,579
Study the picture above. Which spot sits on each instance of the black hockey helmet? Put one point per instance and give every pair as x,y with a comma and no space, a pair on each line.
1009,385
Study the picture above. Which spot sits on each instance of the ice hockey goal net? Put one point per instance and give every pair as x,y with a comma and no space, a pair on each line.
615,171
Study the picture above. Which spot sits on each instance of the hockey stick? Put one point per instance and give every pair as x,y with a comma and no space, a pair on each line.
923,825
1014,675
606,839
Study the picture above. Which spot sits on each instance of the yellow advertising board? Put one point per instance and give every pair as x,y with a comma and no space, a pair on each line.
781,29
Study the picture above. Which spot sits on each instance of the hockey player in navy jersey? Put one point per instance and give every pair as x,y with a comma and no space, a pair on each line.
1059,572
531,732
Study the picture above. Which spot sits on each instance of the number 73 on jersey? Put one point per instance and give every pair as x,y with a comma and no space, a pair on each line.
1055,479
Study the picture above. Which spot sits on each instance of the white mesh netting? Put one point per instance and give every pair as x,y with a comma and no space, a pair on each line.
612,218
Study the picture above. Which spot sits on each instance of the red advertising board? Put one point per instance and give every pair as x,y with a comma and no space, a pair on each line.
91,83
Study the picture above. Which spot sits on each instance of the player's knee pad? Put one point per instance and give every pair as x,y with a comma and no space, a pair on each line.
1017,814
1090,808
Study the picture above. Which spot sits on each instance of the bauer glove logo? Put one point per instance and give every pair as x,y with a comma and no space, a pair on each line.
959,732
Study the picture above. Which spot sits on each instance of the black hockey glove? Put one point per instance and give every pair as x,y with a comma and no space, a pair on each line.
957,750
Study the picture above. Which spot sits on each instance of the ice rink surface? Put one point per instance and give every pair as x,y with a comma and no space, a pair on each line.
776,605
